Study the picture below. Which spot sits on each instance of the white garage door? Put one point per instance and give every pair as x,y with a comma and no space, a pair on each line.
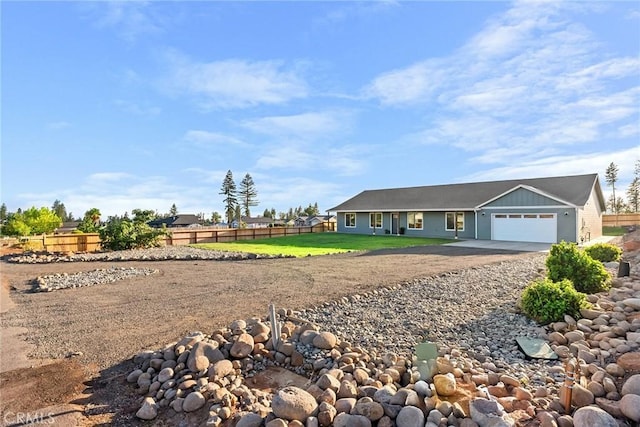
524,227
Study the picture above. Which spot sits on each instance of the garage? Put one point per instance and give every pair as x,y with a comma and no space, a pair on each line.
518,227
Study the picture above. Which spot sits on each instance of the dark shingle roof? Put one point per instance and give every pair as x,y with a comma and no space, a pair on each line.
574,189
182,220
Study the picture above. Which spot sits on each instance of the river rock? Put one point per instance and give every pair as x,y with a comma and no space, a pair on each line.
591,416
488,412
250,420
194,401
633,303
203,348
445,384
346,420
581,396
243,346
293,403
630,406
370,409
325,340
148,410
410,416
630,362
632,385
165,375
221,369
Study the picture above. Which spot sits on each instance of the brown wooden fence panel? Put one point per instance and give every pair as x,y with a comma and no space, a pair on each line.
76,242
621,220
90,242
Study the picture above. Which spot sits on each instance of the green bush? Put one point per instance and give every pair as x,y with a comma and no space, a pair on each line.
546,301
123,233
604,252
566,261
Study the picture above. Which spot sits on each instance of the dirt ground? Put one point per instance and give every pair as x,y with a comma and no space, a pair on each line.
92,332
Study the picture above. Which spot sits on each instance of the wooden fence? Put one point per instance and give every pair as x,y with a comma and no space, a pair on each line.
187,236
90,242
621,220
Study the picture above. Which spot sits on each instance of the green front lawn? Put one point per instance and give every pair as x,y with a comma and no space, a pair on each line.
613,231
320,244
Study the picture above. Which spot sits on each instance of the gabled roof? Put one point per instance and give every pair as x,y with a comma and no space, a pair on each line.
175,221
573,190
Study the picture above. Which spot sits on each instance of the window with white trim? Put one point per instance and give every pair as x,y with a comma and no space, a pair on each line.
375,220
414,220
451,219
350,220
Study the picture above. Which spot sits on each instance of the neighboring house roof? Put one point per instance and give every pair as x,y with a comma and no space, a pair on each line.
572,190
68,226
176,221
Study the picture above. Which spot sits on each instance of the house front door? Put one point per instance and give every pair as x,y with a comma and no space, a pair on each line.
394,223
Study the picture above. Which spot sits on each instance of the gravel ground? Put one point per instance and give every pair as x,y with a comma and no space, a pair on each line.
471,311
109,323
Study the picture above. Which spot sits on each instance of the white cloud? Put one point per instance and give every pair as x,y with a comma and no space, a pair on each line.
569,164
407,86
129,19
305,125
532,82
286,157
235,83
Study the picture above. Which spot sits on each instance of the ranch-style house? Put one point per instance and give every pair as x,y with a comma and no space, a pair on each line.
547,210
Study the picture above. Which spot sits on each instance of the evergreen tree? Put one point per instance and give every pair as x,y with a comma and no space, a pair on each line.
611,176
59,209
230,199
248,195
174,210
273,213
267,213
633,193
3,212
215,217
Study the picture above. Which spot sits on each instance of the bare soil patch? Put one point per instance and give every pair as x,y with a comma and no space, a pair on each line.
108,324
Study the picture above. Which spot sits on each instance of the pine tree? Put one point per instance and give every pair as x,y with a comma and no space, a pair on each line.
230,200
174,210
59,209
611,176
248,195
633,193
3,212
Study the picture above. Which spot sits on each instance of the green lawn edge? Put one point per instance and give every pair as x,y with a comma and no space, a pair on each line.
315,244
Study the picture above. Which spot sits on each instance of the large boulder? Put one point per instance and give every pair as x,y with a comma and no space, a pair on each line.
591,416
293,403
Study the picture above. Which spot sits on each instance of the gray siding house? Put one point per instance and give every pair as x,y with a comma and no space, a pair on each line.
546,210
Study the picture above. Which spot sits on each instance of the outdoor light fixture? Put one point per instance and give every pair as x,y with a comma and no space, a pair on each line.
566,213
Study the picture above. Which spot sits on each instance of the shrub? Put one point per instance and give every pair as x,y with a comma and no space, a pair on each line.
546,301
566,261
123,233
604,252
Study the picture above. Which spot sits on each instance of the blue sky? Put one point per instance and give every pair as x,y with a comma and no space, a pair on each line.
144,104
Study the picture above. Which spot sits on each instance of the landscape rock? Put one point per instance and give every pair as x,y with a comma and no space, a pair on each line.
148,410
591,416
631,385
193,402
293,403
410,416
630,406
325,340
